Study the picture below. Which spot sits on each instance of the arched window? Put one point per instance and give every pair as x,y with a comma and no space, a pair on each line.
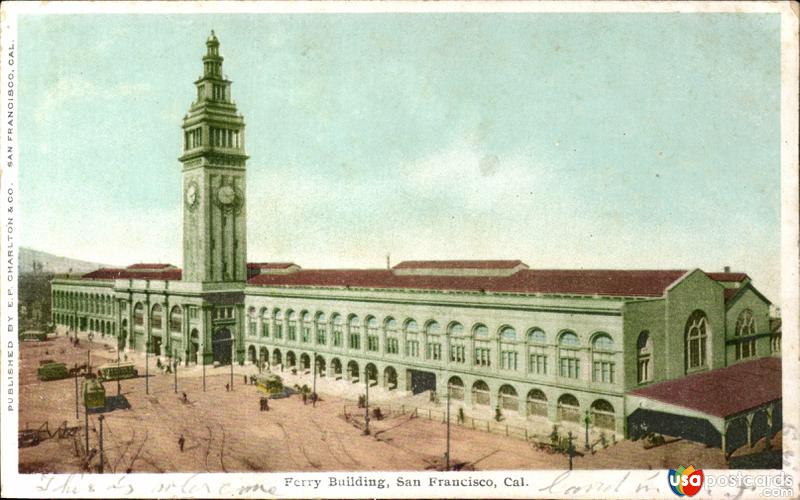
536,336
697,333
291,325
456,388
508,399
644,353
433,346
176,320
138,316
322,328
458,350
483,348
392,343
508,333
537,351
412,338
305,326
745,326
156,317
336,329
373,339
354,330
568,360
603,358
252,321
277,319
264,322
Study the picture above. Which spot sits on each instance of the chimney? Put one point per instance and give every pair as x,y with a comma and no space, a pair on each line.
727,269
388,262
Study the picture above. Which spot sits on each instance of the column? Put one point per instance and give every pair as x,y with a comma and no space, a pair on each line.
239,334
166,331
205,336
131,334
185,333
446,348
148,341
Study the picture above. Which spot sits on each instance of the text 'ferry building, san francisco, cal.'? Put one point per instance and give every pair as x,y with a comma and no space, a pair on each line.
547,344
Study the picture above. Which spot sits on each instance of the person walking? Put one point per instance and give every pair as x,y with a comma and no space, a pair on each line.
181,442
227,387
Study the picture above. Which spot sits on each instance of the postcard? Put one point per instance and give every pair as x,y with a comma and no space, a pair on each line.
400,250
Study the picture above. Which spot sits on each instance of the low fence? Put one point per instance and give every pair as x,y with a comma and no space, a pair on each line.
355,414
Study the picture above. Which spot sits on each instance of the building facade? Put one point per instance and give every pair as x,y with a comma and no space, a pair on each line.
554,344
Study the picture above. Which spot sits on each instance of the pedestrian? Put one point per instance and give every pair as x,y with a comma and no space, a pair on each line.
305,398
181,442
245,379
227,387
185,398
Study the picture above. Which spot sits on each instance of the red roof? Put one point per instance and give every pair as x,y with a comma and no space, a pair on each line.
106,273
728,276
270,265
722,392
458,264
574,282
149,266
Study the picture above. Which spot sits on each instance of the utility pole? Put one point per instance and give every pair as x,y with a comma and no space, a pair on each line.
233,354
101,417
366,404
147,367
203,361
118,374
89,360
77,416
175,367
314,384
447,453
86,427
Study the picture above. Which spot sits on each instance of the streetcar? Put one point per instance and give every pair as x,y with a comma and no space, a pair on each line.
94,394
117,371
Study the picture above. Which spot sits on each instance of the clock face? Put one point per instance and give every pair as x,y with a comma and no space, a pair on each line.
191,195
226,195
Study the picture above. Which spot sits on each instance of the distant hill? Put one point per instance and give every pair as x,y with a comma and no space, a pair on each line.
49,263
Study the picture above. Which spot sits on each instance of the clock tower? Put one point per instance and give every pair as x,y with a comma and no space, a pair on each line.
214,232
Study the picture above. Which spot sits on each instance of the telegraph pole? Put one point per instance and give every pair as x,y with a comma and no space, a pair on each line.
233,354
366,404
101,417
77,416
203,361
175,363
447,453
147,367
314,384
86,427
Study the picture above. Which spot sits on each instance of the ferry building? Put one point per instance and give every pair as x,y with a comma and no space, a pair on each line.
547,344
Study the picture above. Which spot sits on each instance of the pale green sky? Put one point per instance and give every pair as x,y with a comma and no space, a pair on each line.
564,140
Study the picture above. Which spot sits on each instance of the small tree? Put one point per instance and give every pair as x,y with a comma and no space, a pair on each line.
461,415
498,414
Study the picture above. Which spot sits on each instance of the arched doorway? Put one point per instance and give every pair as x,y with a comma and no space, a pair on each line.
603,414
456,387
337,368
305,362
480,393
390,378
320,366
352,371
251,354
508,398
123,333
569,410
222,345
537,403
291,359
263,356
276,358
372,374
194,345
